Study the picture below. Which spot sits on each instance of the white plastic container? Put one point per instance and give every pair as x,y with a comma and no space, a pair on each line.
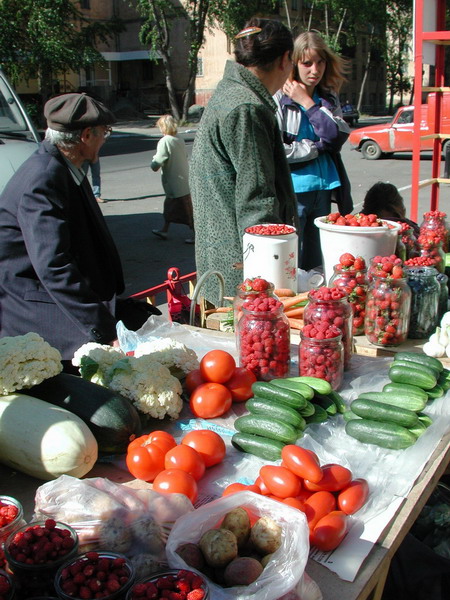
367,242
272,257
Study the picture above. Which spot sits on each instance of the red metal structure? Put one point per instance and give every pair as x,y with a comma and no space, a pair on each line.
434,21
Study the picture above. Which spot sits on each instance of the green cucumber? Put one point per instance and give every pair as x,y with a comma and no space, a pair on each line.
308,410
320,415
263,389
402,374
399,399
326,403
386,435
418,429
444,382
435,392
349,415
277,410
421,359
416,366
406,389
377,411
425,419
319,385
339,401
268,427
300,388
258,446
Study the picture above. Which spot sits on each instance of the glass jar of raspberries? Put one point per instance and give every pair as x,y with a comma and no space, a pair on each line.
388,305
434,223
330,304
353,281
11,516
263,338
250,288
321,353
179,582
425,293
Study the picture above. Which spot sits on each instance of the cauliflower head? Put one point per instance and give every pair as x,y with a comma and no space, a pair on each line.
95,360
25,361
174,355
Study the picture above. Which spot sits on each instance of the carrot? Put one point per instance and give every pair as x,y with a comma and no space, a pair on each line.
295,323
295,312
283,292
292,301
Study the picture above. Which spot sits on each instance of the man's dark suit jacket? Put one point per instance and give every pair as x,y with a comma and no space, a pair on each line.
59,267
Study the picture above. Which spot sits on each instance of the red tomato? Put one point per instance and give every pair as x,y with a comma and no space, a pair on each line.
302,462
208,444
240,487
280,481
335,478
330,531
193,380
210,400
163,440
217,366
240,384
354,496
139,441
295,503
176,481
145,462
187,459
262,486
317,506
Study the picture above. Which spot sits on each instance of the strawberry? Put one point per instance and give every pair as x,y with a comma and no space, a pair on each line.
197,594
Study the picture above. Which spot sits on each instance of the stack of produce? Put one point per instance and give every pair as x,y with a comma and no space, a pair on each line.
393,418
356,220
350,275
280,411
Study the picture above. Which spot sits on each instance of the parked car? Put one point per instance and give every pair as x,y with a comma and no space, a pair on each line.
397,135
350,113
18,136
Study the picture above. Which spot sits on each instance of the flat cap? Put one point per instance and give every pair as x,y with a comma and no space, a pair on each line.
71,112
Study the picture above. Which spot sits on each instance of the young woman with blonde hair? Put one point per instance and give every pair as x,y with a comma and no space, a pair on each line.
313,130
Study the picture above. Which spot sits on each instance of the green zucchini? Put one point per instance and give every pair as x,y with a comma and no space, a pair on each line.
399,399
326,403
386,435
308,410
435,392
406,389
257,445
263,389
420,358
425,419
300,388
416,366
276,410
377,411
113,420
320,415
268,427
339,401
402,374
319,385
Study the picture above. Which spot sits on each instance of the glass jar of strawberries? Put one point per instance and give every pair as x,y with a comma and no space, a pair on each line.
250,288
434,223
263,338
431,246
321,353
350,275
409,240
330,304
388,304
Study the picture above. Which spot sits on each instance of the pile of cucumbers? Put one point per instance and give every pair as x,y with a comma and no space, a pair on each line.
280,411
393,418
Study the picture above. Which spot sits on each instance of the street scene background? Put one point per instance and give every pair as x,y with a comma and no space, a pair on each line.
135,199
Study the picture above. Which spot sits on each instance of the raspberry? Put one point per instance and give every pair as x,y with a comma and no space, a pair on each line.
183,585
196,582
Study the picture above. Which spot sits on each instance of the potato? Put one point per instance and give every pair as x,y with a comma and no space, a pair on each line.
266,535
265,559
219,547
242,571
192,555
238,521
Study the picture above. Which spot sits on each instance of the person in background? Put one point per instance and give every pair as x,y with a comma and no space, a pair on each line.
239,175
384,200
96,181
171,158
314,131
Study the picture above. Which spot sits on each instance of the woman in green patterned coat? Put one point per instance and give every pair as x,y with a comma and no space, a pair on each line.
238,172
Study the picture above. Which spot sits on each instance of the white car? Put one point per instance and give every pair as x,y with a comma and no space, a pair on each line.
18,136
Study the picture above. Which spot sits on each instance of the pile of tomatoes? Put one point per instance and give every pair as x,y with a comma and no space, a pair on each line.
172,467
327,494
217,384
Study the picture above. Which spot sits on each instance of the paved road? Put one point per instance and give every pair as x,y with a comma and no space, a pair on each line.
135,199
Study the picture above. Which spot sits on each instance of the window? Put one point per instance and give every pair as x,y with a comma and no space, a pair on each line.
147,70
199,66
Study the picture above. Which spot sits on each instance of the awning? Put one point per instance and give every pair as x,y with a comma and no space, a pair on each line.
131,55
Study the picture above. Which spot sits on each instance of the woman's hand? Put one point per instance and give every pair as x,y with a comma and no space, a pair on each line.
298,92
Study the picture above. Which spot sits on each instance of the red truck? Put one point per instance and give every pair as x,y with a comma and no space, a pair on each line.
397,135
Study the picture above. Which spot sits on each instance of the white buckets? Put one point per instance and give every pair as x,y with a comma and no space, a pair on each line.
272,257
367,242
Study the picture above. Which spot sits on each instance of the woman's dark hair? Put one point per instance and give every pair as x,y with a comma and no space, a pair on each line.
382,196
262,48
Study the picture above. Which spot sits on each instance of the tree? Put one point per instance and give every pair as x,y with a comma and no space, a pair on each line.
398,45
43,38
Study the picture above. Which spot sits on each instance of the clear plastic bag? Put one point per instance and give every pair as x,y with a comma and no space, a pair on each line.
283,571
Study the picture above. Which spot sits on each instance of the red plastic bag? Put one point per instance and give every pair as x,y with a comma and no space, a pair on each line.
179,303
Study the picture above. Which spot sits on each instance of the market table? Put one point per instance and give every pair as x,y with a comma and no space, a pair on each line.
370,579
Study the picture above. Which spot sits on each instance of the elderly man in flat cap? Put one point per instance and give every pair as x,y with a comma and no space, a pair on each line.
60,270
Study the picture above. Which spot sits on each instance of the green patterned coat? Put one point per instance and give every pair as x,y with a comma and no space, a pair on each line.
239,175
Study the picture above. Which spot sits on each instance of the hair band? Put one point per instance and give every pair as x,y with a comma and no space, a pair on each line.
248,31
